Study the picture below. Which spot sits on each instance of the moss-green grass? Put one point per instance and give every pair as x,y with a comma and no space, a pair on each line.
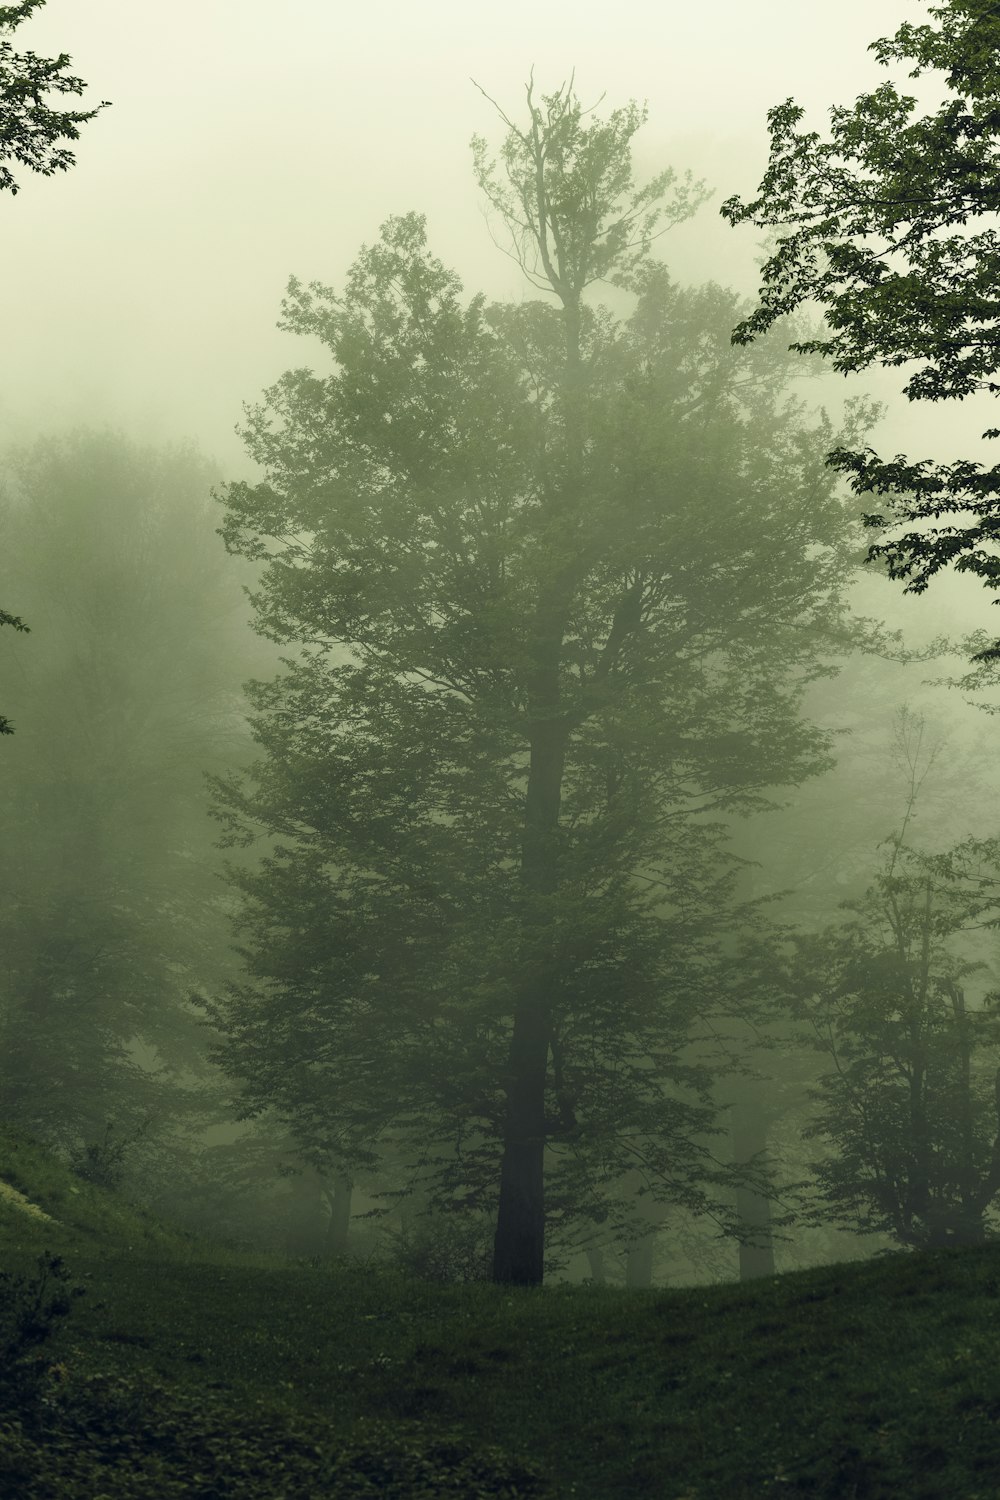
876,1379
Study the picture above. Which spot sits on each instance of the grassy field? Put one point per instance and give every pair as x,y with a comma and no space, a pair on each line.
184,1371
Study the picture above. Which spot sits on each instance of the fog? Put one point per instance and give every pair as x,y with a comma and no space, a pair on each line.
472,822
247,143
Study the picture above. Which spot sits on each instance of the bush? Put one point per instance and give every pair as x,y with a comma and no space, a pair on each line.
443,1247
31,1309
103,1162
128,1437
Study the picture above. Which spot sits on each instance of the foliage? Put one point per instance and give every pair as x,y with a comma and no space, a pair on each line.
517,553
815,853
911,1099
592,224
212,1372
258,1191
851,1376
120,1436
109,904
103,1161
30,130
29,135
84,1211
449,1248
875,228
31,1310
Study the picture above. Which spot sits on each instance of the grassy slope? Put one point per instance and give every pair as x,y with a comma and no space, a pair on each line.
870,1380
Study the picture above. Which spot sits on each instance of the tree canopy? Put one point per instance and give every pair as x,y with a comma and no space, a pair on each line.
31,131
887,224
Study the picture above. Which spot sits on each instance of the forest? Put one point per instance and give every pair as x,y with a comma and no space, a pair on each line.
508,878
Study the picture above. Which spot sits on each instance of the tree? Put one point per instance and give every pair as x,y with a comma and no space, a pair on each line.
877,223
110,909
555,582
911,1099
907,1098
30,132
812,854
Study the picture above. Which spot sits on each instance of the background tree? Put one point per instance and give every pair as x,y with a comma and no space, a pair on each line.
110,909
875,229
556,582
806,858
910,1100
31,132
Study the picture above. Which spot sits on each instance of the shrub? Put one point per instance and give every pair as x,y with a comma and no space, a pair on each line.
31,1309
128,1437
442,1247
103,1162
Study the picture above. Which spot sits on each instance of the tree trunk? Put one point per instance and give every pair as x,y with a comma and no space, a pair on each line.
639,1262
519,1243
756,1252
595,1259
338,1195
970,1228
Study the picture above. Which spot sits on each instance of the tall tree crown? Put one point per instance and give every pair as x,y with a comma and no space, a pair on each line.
569,201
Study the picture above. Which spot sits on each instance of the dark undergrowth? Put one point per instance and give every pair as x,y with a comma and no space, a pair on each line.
184,1371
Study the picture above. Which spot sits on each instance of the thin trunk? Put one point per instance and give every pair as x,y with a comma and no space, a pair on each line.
921,1174
595,1259
338,1195
919,1196
991,1184
971,1215
756,1251
639,1262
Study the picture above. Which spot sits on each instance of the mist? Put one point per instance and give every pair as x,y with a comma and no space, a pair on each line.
489,873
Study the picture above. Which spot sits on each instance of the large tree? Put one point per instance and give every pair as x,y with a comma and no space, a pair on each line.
32,133
888,224
555,580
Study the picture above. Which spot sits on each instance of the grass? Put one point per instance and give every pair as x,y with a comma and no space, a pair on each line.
187,1371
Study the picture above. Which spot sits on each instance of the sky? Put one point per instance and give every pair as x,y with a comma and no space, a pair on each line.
249,141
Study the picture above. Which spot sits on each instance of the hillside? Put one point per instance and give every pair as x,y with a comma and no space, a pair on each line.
186,1371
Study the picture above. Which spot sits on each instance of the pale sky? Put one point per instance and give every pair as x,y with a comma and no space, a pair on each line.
249,141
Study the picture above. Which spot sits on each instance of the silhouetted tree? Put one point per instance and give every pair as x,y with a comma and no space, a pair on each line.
31,131
556,581
875,227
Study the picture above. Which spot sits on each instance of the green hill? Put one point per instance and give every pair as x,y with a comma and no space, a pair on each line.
35,1188
187,1371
